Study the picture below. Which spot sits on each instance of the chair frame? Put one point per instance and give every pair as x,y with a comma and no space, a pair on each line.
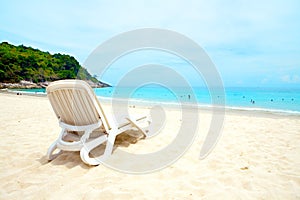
67,141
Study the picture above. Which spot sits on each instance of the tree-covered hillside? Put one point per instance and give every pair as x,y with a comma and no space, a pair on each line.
25,63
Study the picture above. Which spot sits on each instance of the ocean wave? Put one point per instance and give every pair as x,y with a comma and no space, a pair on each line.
177,104
144,102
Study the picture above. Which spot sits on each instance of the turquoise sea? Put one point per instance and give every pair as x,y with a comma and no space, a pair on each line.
267,99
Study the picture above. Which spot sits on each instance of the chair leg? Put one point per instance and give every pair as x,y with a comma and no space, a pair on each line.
54,146
84,152
134,123
109,145
50,151
88,147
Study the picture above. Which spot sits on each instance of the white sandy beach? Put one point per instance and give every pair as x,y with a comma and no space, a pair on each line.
257,157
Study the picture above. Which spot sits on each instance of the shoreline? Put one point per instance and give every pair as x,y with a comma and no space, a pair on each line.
206,107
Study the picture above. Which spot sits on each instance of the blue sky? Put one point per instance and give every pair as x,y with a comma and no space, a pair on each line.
252,43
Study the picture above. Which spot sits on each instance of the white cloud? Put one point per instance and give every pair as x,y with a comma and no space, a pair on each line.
290,78
240,36
264,80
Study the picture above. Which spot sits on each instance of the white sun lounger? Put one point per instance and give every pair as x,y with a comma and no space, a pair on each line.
80,113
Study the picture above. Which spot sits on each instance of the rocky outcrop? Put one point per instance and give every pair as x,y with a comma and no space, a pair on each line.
31,85
21,85
97,85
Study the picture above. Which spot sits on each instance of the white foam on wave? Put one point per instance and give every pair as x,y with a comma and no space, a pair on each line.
26,92
178,104
199,105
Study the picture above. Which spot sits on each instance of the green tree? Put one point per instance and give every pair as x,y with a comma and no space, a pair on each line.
26,63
